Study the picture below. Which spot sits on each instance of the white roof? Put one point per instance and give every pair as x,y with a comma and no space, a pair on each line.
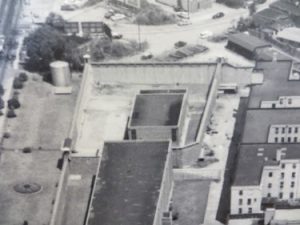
287,214
291,34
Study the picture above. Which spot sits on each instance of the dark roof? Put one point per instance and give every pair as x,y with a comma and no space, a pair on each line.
248,42
156,110
128,183
271,14
258,121
276,76
286,6
250,165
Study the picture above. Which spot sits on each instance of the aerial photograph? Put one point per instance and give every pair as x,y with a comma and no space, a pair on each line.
150,112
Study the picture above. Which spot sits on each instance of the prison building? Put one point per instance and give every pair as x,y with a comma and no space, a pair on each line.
267,175
133,185
158,114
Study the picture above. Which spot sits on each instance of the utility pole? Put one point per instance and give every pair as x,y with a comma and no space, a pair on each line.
139,36
188,9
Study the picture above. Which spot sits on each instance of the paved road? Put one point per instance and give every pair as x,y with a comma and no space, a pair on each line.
8,12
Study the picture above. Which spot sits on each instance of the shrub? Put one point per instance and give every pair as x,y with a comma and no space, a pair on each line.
151,14
1,103
13,103
11,113
17,84
23,77
1,90
27,150
6,135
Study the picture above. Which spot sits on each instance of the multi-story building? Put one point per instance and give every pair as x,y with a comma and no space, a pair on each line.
134,184
268,163
265,173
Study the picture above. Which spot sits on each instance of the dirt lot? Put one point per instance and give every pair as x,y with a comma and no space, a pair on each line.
15,168
190,199
43,119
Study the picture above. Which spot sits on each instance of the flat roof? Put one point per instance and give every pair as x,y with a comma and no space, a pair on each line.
128,183
248,42
250,165
271,14
258,122
286,6
156,109
290,34
276,75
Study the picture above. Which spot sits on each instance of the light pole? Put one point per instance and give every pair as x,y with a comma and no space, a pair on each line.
139,36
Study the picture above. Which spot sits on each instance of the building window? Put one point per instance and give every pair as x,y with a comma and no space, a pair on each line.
280,195
282,140
283,130
270,174
276,140
295,139
289,139
250,210
294,165
269,195
240,201
289,101
276,130
292,184
281,184
133,134
240,192
296,130
293,174
269,185
282,175
282,165
290,130
281,101
240,210
174,135
249,201
292,195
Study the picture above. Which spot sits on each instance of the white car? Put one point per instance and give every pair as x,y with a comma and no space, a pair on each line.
206,34
184,23
117,16
116,35
183,15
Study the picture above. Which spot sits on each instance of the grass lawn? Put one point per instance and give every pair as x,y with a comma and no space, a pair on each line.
39,167
43,119
190,200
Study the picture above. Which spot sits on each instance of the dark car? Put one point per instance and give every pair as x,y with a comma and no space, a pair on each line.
179,44
218,15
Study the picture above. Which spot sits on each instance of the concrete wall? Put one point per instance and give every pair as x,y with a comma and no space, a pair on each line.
61,194
165,191
156,73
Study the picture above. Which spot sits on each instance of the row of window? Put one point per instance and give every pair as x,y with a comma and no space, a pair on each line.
289,140
269,195
289,130
282,184
282,174
289,101
249,201
241,210
283,165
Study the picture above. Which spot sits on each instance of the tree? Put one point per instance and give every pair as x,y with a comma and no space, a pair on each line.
234,3
56,21
11,113
13,103
252,9
17,84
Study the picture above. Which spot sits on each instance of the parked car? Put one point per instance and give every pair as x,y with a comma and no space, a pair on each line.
108,14
116,35
117,16
183,15
205,34
218,15
184,22
147,55
179,44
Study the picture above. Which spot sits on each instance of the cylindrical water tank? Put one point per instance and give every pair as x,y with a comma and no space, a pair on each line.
61,75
